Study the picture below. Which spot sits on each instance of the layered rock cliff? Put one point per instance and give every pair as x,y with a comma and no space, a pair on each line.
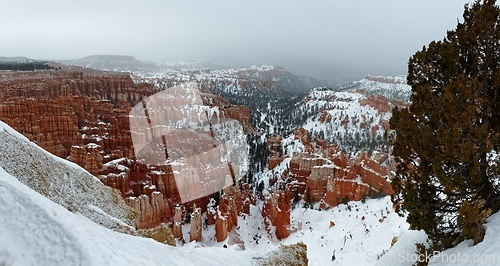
83,115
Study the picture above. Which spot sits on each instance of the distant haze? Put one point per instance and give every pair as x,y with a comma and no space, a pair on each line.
328,39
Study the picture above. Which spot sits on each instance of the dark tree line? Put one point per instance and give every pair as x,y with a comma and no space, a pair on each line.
31,66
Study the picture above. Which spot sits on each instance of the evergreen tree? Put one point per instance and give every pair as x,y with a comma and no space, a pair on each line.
447,142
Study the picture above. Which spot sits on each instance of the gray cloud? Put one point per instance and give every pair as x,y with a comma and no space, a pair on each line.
326,39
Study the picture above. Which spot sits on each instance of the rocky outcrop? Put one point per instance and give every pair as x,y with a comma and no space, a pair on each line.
276,212
83,115
295,254
275,151
151,210
177,223
195,233
227,110
234,201
50,125
222,225
327,175
62,109
87,156
226,216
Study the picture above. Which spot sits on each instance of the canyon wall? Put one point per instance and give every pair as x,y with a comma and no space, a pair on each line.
83,115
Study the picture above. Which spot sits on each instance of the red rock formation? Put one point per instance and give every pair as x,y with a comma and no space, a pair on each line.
328,176
88,157
244,198
339,190
302,134
232,203
60,109
82,115
325,117
275,151
276,212
195,234
238,112
152,210
221,225
380,103
177,223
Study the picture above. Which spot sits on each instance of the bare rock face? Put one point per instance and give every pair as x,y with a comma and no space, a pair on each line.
221,225
83,115
275,151
276,212
240,113
339,190
224,220
302,134
151,210
88,157
52,126
326,175
232,203
195,234
61,109
161,233
177,224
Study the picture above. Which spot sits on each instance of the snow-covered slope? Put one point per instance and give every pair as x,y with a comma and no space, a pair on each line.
63,182
37,231
347,118
355,116
486,252
15,60
361,234
390,87
284,79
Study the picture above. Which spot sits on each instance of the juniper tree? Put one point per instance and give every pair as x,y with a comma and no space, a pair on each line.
447,142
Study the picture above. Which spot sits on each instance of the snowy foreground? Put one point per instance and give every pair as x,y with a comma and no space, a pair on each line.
37,231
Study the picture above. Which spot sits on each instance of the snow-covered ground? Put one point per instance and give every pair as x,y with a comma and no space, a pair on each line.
37,231
63,182
389,87
485,253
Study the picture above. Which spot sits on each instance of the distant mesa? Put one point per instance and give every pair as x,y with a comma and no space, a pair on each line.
17,59
283,78
119,63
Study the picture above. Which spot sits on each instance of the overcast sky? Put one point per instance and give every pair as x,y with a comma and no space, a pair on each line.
327,39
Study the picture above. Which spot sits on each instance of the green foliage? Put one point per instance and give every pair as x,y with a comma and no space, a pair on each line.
443,139
471,218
